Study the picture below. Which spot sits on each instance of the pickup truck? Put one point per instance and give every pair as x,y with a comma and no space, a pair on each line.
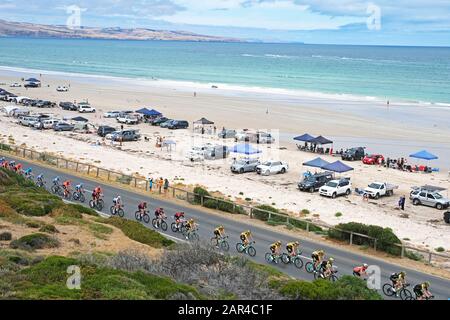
379,189
336,188
272,167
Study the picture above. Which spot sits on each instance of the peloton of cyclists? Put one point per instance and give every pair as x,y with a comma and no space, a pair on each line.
219,233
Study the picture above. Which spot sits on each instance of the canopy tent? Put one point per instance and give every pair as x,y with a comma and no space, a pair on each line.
168,144
321,140
203,121
317,163
424,155
305,137
245,148
337,166
80,119
33,80
149,113
9,110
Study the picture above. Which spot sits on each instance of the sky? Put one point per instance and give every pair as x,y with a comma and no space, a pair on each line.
378,22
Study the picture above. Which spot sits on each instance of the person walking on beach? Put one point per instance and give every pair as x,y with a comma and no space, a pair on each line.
401,202
166,185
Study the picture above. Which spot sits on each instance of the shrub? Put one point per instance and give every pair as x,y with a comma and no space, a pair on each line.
82,209
338,214
261,214
5,236
199,193
33,224
136,231
48,228
386,239
440,249
34,241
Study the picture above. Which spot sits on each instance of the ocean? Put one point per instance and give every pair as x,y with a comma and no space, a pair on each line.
405,74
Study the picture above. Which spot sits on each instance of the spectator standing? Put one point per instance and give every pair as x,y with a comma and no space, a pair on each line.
401,202
150,184
160,184
166,185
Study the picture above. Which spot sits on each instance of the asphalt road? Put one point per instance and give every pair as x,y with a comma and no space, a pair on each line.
344,260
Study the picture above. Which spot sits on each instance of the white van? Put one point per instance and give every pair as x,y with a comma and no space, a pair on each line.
46,124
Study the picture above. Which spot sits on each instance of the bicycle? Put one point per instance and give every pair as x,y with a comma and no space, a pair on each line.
320,275
160,223
296,260
248,249
404,293
179,228
222,243
309,267
191,234
97,204
40,184
119,211
416,297
66,194
78,196
57,189
144,216
272,258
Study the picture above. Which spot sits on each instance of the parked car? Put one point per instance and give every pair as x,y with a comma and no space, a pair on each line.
336,188
32,85
46,123
15,85
272,167
245,165
62,89
373,159
315,181
63,126
112,114
19,99
102,131
158,121
28,121
166,124
352,154
429,198
227,133
379,189
68,106
127,119
125,135
84,107
447,217
42,104
178,124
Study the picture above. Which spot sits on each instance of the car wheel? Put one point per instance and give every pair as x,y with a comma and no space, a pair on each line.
267,173
416,202
311,189
377,196
283,170
241,170
439,206
333,195
348,192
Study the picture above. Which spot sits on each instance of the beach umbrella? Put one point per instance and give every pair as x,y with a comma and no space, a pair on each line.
305,137
316,163
424,155
337,166
245,148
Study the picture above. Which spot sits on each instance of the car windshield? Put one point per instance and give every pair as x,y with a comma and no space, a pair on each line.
267,164
310,179
437,195
332,184
375,186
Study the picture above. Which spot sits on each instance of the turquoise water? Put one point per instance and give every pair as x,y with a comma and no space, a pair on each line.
404,73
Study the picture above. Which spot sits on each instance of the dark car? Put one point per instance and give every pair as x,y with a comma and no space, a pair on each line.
314,182
43,104
158,121
68,106
352,154
104,130
31,85
179,124
126,135
62,126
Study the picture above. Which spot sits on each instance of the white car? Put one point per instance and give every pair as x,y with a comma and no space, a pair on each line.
62,89
112,114
19,99
46,124
272,167
15,85
84,107
336,188
128,119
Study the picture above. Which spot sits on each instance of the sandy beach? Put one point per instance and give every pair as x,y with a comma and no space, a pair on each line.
395,131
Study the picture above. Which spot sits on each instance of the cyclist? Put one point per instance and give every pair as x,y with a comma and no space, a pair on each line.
79,188
56,181
66,187
190,227
18,168
178,219
361,270
159,214
117,202
422,291
219,233
5,164
40,179
246,237
142,207
96,194
317,257
398,281
2,161
292,248
12,164
327,267
275,249
28,173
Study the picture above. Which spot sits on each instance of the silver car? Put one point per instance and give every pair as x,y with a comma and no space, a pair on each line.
245,165
429,198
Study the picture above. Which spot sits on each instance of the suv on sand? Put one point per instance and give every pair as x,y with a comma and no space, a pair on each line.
314,182
244,165
354,154
336,188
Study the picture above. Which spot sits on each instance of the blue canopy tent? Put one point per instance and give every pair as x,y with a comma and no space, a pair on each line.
337,166
154,113
245,148
305,137
424,155
316,163
320,140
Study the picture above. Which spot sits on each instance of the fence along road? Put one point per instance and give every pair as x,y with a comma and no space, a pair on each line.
344,260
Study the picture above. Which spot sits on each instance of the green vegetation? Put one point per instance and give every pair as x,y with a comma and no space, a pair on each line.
338,214
5,236
48,228
34,241
440,249
199,193
136,231
386,239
